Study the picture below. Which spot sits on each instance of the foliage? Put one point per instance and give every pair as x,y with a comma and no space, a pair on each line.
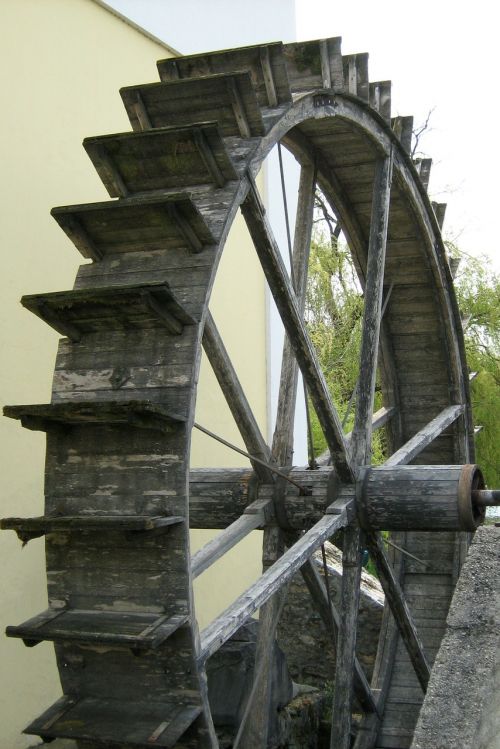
334,308
478,294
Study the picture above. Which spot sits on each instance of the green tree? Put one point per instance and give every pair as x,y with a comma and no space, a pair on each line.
478,294
334,310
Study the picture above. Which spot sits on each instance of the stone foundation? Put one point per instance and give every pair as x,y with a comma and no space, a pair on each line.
302,635
462,704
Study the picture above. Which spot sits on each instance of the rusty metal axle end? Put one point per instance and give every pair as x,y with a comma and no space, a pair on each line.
486,497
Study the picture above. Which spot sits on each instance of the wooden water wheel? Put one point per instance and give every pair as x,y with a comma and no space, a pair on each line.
119,493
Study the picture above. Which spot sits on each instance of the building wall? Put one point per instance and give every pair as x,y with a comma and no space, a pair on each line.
62,64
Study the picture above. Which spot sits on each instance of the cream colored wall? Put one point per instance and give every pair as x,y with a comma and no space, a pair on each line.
62,64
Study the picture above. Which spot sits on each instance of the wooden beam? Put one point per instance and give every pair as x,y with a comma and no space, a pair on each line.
58,323
340,736
255,733
79,236
386,652
439,211
381,417
425,436
284,296
325,63
352,76
236,399
171,323
222,628
399,608
104,162
255,730
267,72
255,516
372,313
141,112
185,228
238,108
283,432
207,157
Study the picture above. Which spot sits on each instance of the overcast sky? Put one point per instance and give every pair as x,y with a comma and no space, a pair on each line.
439,55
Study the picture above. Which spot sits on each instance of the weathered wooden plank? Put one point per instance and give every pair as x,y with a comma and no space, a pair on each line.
118,673
133,225
380,98
340,736
272,263
255,732
164,158
325,64
276,576
425,436
372,314
204,99
244,59
356,79
423,167
403,127
138,723
439,210
255,517
219,497
236,399
283,433
208,158
267,72
386,651
129,628
108,171
399,608
75,313
315,64
140,414
29,528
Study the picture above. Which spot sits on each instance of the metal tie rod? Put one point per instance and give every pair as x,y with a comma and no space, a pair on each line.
303,490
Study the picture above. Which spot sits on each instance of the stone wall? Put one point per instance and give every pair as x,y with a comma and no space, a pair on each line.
462,704
302,635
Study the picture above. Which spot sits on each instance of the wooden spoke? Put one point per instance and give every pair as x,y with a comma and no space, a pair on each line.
400,610
221,629
369,727
340,736
361,436
283,433
255,516
331,619
361,452
255,732
425,436
257,727
284,296
236,399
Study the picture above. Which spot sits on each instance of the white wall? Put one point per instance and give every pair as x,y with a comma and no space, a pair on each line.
198,26
192,26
